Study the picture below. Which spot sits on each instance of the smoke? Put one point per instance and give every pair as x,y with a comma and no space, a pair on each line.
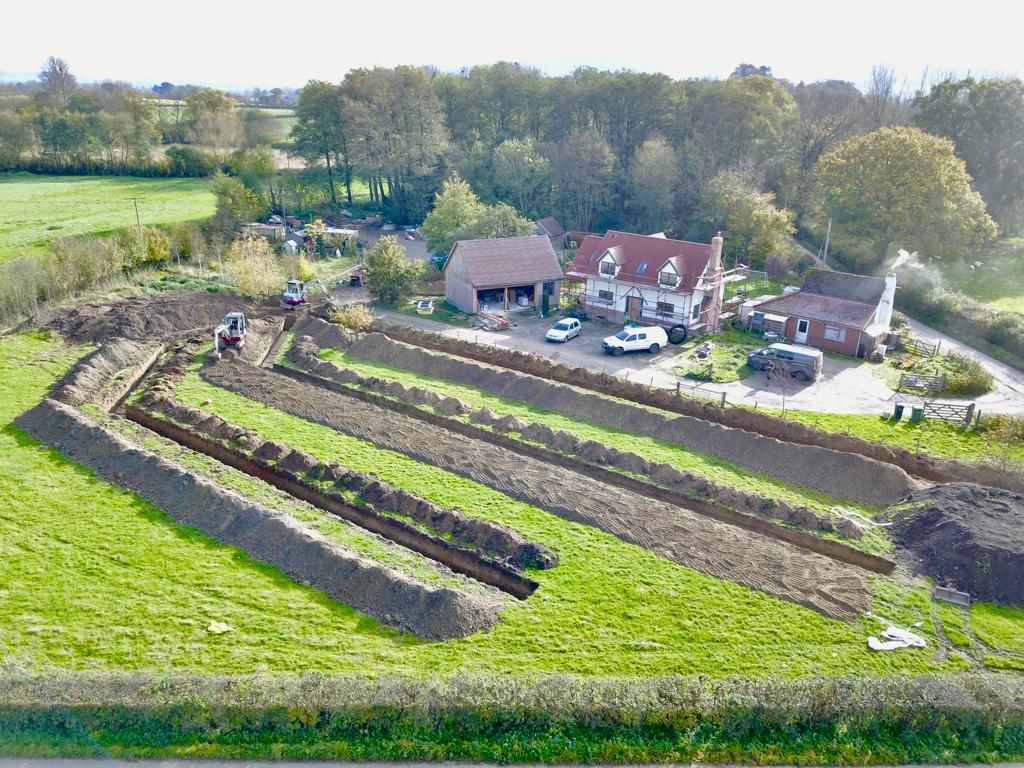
911,270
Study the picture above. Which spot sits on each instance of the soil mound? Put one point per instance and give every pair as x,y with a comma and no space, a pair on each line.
968,537
168,316
274,537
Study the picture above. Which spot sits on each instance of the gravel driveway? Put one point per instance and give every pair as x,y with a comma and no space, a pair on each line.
845,386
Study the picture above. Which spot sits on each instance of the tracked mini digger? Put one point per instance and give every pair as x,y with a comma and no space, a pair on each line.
231,331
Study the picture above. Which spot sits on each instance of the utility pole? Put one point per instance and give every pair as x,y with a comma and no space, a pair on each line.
138,220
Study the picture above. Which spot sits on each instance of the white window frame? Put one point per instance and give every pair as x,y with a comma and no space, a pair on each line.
838,333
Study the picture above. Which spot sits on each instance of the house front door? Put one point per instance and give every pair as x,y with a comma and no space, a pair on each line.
633,306
801,331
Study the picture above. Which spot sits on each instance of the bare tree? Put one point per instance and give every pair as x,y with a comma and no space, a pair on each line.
881,97
57,82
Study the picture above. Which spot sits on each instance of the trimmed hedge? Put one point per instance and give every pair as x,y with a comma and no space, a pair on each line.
510,719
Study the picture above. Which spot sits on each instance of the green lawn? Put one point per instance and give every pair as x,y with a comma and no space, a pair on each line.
92,577
727,361
999,282
931,436
1000,627
443,311
36,209
609,607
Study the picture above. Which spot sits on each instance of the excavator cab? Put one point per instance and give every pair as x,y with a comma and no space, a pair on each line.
231,332
295,293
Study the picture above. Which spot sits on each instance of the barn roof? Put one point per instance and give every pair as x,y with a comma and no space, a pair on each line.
550,227
503,261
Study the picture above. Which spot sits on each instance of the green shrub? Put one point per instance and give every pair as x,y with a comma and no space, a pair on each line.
967,376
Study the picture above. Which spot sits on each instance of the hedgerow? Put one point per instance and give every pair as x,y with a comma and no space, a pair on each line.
513,719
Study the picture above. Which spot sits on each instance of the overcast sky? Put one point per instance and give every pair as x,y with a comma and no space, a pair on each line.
286,43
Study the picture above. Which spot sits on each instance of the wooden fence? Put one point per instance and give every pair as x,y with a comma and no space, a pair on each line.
917,347
920,381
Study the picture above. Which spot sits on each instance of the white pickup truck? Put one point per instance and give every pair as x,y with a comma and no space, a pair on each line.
635,337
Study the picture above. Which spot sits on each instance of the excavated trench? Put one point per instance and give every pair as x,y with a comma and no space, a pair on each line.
459,559
777,568
833,549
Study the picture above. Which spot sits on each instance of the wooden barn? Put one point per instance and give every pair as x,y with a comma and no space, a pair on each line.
502,273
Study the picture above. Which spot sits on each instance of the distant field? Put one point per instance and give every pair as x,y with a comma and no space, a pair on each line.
999,281
36,209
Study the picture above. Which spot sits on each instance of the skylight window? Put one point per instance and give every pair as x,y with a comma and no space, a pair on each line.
641,268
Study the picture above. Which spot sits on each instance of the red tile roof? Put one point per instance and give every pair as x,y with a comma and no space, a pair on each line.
642,256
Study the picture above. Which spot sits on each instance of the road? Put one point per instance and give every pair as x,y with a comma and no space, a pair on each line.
1009,391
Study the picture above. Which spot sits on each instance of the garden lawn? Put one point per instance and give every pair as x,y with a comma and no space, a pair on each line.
727,361
609,607
36,209
716,469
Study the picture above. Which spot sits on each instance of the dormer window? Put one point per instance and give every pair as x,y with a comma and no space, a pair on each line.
608,265
668,278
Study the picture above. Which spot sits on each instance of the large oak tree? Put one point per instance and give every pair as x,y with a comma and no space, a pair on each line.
900,185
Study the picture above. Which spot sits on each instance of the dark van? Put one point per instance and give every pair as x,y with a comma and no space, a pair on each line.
803,363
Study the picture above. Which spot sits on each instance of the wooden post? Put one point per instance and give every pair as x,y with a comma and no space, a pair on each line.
970,415
677,389
723,399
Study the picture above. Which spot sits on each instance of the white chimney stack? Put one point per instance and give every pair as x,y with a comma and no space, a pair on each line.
883,315
716,247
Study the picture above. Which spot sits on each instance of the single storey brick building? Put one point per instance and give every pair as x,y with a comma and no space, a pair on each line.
502,273
837,311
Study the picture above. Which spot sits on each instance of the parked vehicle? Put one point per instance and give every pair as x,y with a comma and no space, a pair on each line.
439,260
579,314
802,363
564,330
636,337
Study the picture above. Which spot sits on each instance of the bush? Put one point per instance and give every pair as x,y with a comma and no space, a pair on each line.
963,316
967,376
251,267
354,317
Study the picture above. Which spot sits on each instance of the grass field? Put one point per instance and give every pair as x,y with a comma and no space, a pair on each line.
727,361
998,282
936,438
36,209
92,577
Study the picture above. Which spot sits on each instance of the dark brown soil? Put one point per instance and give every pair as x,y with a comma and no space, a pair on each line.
838,474
834,589
169,316
968,537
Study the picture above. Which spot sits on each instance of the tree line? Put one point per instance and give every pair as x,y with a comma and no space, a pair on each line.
754,155
63,127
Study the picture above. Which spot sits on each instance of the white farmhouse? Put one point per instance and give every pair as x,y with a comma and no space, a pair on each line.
651,279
